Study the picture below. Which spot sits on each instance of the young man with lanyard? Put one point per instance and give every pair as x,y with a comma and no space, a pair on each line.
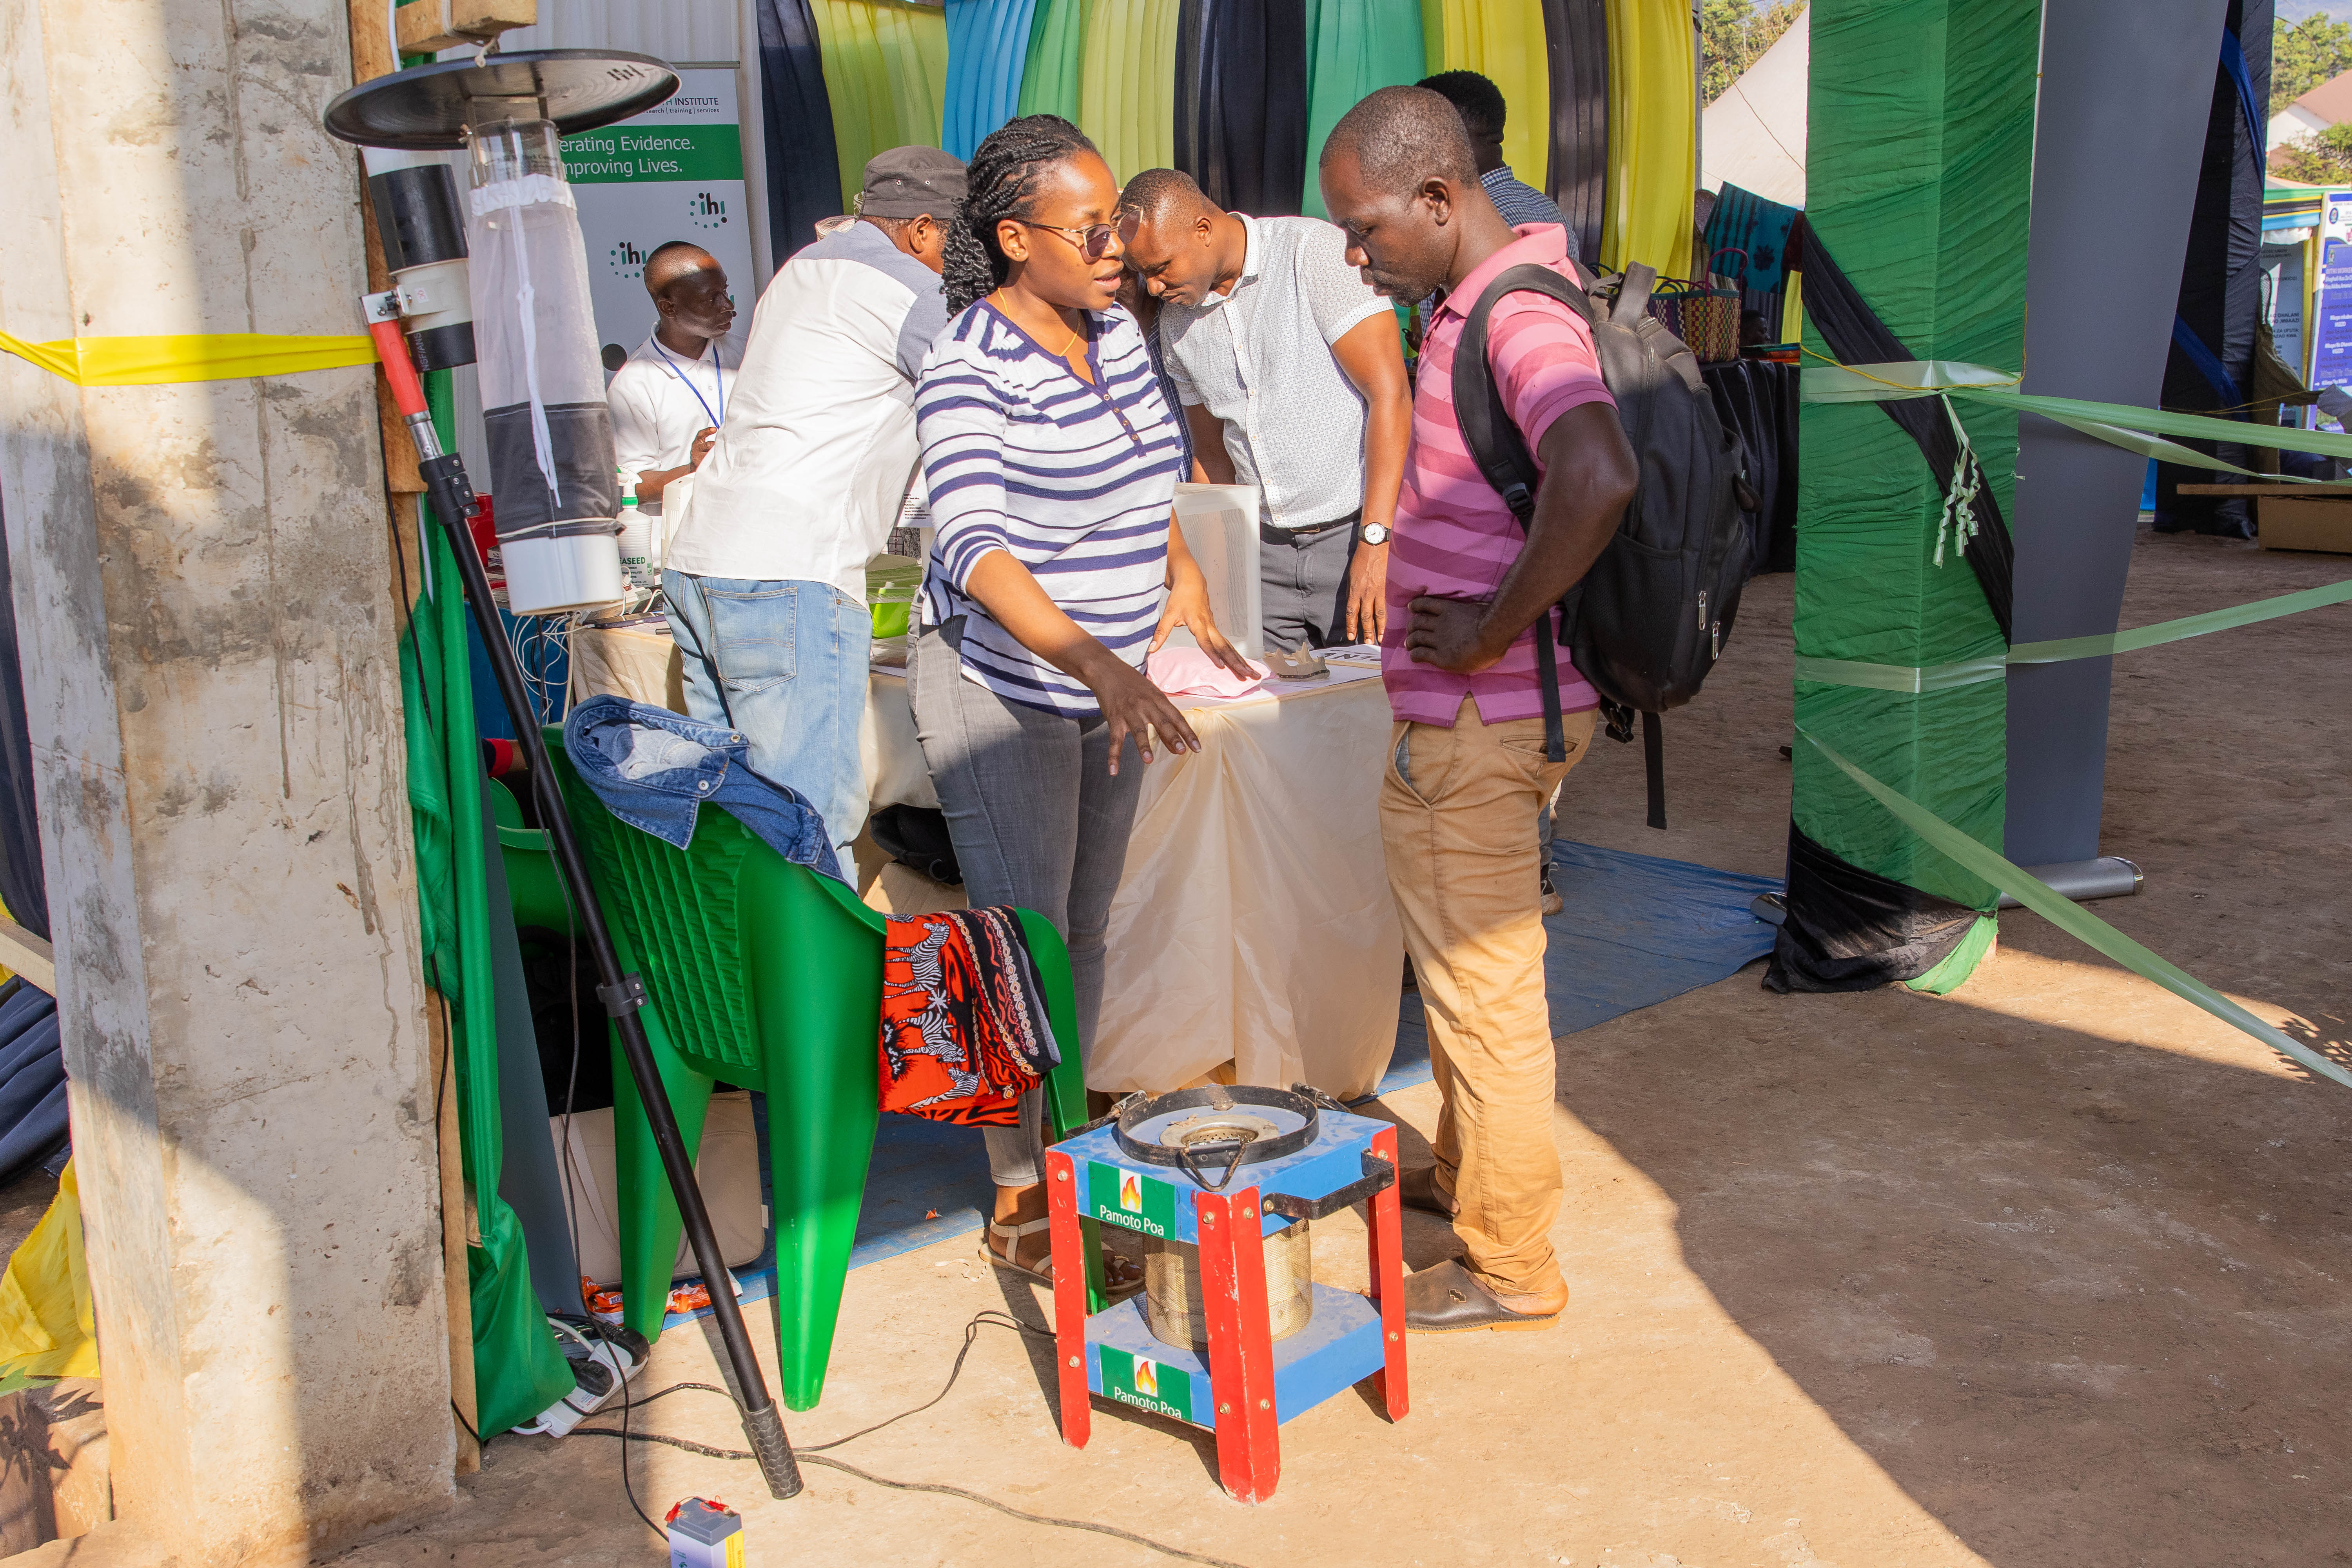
765,578
1469,592
1292,379
670,396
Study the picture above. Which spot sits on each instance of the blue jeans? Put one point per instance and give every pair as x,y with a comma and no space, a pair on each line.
786,665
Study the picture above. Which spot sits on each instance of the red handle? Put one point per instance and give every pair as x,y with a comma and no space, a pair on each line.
407,392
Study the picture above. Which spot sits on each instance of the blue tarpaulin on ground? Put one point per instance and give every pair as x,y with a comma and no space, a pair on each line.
1633,931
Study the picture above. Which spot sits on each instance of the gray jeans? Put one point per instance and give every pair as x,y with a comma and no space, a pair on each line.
1303,583
1038,821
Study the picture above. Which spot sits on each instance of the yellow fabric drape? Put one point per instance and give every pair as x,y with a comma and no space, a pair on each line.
188,356
1502,40
47,1328
1653,137
1792,309
886,72
1127,89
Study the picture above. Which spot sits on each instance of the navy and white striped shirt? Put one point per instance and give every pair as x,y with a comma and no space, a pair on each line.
1076,482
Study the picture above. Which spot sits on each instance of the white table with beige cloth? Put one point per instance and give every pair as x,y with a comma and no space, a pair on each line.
1252,938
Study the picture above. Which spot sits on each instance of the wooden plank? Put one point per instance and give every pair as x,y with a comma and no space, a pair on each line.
28,955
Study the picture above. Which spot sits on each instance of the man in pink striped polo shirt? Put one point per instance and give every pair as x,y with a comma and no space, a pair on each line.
1468,593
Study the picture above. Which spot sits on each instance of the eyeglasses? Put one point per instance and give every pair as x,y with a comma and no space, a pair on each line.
1093,241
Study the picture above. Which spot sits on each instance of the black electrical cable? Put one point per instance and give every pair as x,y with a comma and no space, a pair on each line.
626,1404
812,1454
1089,1525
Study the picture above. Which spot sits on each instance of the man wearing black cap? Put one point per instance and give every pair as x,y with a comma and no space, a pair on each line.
766,573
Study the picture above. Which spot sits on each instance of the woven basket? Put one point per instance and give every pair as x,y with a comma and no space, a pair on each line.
1706,318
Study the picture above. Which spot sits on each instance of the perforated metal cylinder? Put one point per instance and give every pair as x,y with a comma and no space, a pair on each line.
1172,1300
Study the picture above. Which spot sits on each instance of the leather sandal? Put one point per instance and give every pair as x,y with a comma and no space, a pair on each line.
1114,1284
1010,1258
1418,1189
1449,1299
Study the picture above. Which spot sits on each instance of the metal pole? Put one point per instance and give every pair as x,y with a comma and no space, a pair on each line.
623,994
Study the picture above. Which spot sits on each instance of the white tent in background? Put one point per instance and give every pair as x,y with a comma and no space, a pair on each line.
1754,135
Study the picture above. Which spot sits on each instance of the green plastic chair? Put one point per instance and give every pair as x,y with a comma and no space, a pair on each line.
767,975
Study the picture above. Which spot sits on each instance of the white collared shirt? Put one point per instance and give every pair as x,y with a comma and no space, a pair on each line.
808,472
661,401
1260,360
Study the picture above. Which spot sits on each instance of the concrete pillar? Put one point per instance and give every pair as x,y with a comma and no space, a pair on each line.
202,586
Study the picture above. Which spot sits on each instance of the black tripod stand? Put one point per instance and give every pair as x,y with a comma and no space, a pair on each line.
453,500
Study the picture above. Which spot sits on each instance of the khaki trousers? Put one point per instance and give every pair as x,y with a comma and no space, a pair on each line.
1458,823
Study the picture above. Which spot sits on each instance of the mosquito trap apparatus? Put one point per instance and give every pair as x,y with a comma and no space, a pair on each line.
1232,1332
513,245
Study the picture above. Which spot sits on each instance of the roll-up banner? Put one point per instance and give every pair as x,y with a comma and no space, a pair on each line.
674,173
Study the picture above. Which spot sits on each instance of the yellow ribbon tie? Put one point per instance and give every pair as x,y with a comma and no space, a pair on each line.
188,356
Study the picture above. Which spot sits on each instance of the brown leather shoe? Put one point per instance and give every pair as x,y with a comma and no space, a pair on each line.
1418,1189
1449,1299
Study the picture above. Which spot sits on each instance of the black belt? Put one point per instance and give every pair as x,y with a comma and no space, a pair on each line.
1270,534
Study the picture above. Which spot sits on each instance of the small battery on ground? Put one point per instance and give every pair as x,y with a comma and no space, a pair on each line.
705,1533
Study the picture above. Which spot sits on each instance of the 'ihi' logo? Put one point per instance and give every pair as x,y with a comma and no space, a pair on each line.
1130,1198
627,259
704,209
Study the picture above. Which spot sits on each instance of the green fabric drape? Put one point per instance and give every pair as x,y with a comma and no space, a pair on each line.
518,1370
1354,48
1502,40
1920,172
1057,41
885,75
1127,89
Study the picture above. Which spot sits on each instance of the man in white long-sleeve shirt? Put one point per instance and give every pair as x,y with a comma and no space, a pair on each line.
766,576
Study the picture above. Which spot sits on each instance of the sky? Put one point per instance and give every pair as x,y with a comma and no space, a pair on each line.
2296,10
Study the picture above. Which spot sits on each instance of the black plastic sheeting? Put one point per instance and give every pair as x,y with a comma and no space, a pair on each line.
1576,48
1759,399
32,1079
23,886
1851,929
804,165
2220,275
1856,336
1240,102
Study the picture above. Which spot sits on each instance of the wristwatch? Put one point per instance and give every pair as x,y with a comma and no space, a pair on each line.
1374,532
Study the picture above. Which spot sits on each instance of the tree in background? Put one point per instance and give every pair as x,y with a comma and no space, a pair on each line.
2322,160
2312,50
1733,34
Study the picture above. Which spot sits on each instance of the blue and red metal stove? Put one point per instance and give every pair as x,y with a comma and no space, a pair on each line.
1226,1196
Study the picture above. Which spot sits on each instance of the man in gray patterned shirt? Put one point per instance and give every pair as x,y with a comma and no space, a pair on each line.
1480,103
1293,380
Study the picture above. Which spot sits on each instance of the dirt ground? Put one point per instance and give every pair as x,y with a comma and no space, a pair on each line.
2048,1272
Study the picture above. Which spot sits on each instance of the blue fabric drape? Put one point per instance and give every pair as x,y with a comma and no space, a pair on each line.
2233,62
988,45
32,1078
24,887
1243,102
803,170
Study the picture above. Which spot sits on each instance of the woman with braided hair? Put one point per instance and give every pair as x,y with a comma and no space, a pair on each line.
1051,460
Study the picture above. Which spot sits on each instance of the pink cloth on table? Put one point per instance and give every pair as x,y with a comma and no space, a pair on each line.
1189,672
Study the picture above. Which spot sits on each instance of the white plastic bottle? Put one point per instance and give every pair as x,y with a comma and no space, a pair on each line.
636,538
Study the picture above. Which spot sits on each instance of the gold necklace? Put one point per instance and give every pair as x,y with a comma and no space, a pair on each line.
1063,353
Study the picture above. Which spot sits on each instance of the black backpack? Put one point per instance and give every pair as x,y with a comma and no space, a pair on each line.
1651,618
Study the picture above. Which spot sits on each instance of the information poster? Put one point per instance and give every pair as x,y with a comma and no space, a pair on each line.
674,173
2331,352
